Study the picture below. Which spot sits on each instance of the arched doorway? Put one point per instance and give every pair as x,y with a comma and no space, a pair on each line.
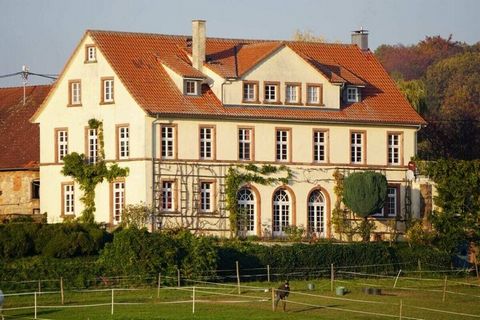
317,214
247,212
281,212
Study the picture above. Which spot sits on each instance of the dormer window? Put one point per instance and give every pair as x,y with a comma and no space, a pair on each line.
250,91
293,93
353,94
314,94
90,54
191,87
271,92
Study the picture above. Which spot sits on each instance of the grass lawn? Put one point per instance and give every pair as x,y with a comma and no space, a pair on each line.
223,302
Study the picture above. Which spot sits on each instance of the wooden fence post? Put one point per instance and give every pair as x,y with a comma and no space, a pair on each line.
113,300
396,278
35,303
401,307
444,289
273,299
178,278
332,277
158,287
238,277
61,290
193,300
268,273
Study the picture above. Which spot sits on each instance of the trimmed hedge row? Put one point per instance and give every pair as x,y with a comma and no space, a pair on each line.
286,259
65,240
67,252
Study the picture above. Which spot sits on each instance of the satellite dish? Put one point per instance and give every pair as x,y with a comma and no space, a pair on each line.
410,175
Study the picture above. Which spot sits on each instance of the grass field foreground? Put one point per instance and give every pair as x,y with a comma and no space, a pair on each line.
410,299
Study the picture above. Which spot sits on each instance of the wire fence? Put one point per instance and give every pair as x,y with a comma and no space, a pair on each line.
193,293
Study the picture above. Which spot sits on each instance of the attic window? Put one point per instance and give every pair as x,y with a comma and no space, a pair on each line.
90,54
191,87
353,94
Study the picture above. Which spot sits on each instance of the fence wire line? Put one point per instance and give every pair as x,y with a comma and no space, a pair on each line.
259,297
354,311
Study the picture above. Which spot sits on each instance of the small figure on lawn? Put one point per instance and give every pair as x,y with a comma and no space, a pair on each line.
281,294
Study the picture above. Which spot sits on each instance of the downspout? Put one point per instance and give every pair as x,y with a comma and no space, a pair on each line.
154,152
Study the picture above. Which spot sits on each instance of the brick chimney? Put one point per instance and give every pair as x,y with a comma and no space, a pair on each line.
360,38
198,43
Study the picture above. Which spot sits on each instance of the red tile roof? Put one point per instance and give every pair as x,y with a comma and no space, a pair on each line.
19,139
137,59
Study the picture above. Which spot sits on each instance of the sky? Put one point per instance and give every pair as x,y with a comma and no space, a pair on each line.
42,34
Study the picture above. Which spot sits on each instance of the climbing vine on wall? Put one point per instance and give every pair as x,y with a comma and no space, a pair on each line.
340,220
241,175
88,174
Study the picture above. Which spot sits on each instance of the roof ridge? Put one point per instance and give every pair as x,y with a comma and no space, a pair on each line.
30,86
251,41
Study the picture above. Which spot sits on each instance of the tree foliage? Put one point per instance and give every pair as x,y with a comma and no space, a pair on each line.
457,218
411,62
365,192
453,113
307,36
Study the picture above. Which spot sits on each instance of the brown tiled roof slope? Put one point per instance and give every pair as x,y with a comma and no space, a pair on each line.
20,139
137,59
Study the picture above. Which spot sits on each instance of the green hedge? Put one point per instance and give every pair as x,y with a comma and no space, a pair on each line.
65,240
68,251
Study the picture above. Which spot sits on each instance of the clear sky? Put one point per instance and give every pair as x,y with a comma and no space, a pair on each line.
43,33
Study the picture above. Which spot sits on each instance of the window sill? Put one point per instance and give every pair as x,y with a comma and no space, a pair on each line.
251,101
106,102
293,103
315,104
272,102
90,61
70,105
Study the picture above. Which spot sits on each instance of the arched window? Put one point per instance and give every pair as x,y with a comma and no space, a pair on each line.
281,211
246,206
316,213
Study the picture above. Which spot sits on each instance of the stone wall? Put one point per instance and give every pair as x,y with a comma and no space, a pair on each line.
17,192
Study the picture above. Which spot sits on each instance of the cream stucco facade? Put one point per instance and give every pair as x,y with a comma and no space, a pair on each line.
184,170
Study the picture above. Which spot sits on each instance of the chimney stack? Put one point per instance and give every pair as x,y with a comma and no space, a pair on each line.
198,43
360,38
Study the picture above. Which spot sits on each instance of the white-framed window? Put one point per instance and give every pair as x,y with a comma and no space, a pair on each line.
390,207
75,93
281,212
282,141
356,147
292,93
168,142
245,140
92,145
394,141
68,199
314,94
118,201
107,90
319,146
206,143
246,208
391,202
191,87
123,142
206,196
271,92
91,54
250,91
62,144
353,94
167,196
316,213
